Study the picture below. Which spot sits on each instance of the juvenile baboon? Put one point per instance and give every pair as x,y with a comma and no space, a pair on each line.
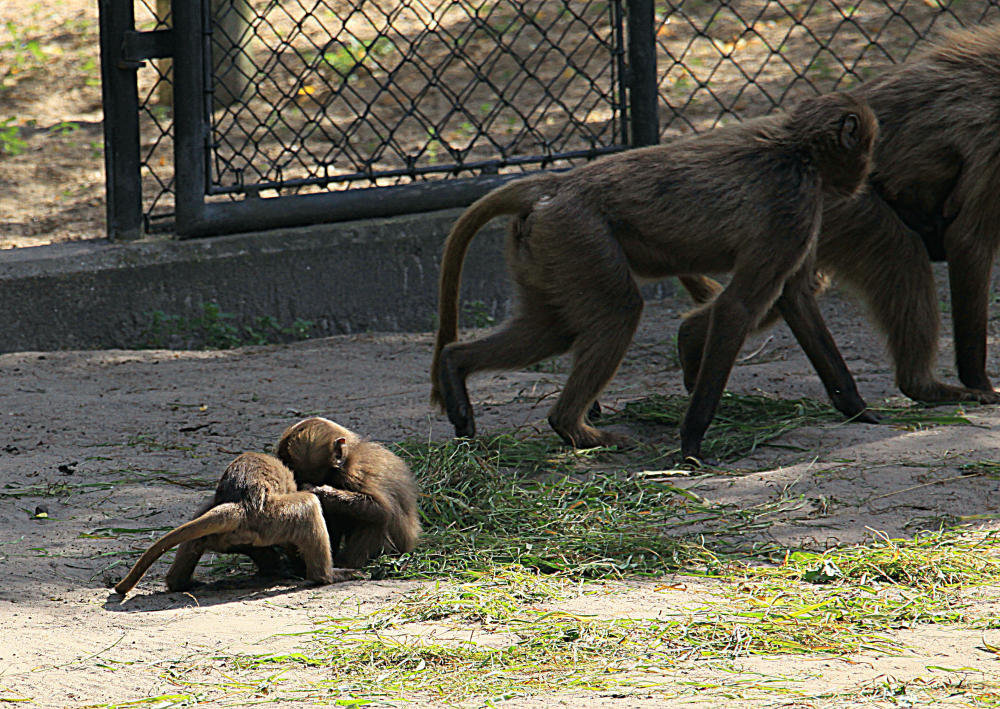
746,199
368,494
934,191
256,505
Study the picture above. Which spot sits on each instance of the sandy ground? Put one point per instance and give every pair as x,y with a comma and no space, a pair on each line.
160,424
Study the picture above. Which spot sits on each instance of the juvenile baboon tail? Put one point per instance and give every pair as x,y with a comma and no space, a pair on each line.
222,518
515,198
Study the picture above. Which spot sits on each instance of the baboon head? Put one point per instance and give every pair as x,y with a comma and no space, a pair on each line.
314,448
838,130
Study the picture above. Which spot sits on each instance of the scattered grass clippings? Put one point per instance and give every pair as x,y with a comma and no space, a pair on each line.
503,631
500,633
962,687
745,422
931,560
505,500
519,534
741,423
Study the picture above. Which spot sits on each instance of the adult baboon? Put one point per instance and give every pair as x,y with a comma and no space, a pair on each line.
933,196
745,198
255,505
368,494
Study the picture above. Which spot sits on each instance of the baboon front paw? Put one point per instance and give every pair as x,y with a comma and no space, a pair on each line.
865,416
859,414
609,439
180,586
465,429
340,574
592,438
986,397
336,575
460,415
940,393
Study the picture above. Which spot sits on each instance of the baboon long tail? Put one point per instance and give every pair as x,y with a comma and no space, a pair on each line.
222,518
515,198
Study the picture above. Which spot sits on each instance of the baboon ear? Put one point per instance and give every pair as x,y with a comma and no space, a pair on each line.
340,450
850,132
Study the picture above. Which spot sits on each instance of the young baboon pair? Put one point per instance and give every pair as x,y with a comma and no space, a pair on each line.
747,199
330,498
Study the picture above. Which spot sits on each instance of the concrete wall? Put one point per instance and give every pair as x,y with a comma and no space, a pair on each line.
372,275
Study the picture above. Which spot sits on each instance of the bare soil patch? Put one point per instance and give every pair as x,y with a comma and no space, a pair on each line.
114,440
100,451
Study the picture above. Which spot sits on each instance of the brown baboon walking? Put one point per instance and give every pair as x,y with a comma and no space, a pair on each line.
368,494
935,182
255,505
746,199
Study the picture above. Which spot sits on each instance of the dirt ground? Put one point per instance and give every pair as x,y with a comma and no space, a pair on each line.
160,423
91,442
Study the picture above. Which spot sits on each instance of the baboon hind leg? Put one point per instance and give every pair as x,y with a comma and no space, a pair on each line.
894,275
605,321
529,337
299,517
187,557
798,306
970,243
727,321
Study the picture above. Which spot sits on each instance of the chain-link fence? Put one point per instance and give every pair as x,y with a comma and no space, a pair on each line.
720,61
327,95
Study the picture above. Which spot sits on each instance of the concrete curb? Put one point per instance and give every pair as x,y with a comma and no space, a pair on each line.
371,275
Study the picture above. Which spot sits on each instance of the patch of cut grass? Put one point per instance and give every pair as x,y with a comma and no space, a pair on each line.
503,645
961,687
745,422
931,560
506,500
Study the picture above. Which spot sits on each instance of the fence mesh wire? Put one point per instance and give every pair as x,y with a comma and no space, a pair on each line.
331,94
390,90
722,61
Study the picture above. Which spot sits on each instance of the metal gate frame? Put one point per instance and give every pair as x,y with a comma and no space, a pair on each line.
124,50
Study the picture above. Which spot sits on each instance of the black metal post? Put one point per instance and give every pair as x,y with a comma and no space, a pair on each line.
121,122
190,114
644,118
